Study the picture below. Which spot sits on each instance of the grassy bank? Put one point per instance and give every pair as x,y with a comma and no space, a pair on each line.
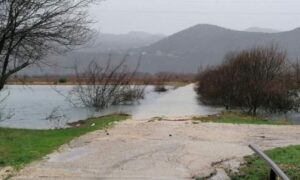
238,118
19,147
288,159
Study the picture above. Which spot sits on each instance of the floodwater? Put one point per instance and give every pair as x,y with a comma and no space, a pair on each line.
29,106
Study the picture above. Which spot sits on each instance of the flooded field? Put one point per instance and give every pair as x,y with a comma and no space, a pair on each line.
31,106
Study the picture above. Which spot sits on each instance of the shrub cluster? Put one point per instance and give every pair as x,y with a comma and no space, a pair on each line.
160,88
102,86
260,78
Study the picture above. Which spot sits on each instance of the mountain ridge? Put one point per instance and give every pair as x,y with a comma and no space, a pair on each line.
184,51
205,44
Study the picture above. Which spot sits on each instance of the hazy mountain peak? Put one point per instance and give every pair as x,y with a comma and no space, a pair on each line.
140,34
207,27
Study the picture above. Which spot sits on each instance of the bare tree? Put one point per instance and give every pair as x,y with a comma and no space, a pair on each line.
32,29
102,86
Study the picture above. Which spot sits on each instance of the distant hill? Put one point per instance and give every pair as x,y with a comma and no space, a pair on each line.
121,42
206,45
184,51
262,30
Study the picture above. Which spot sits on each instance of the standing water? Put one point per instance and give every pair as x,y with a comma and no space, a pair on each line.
31,106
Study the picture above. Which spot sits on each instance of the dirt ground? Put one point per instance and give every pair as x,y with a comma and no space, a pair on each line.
157,150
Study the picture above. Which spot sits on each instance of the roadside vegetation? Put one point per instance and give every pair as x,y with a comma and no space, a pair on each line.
238,118
286,158
19,147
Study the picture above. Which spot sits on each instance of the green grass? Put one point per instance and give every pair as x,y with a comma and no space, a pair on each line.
19,147
238,118
288,159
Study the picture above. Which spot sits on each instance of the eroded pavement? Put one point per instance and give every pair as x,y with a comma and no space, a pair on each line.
157,150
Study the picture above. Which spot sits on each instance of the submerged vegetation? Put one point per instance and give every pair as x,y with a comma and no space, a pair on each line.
102,86
19,147
62,80
254,168
160,88
162,79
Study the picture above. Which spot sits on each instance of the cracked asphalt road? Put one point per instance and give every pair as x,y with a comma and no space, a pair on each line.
156,150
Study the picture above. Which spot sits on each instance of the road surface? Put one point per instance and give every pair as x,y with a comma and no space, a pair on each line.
157,150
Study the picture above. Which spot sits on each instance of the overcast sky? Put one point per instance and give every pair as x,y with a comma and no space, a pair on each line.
170,16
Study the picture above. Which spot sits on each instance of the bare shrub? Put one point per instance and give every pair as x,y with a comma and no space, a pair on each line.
255,79
161,79
160,88
102,86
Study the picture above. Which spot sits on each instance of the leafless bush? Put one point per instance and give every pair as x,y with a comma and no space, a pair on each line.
103,86
256,79
161,80
160,88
